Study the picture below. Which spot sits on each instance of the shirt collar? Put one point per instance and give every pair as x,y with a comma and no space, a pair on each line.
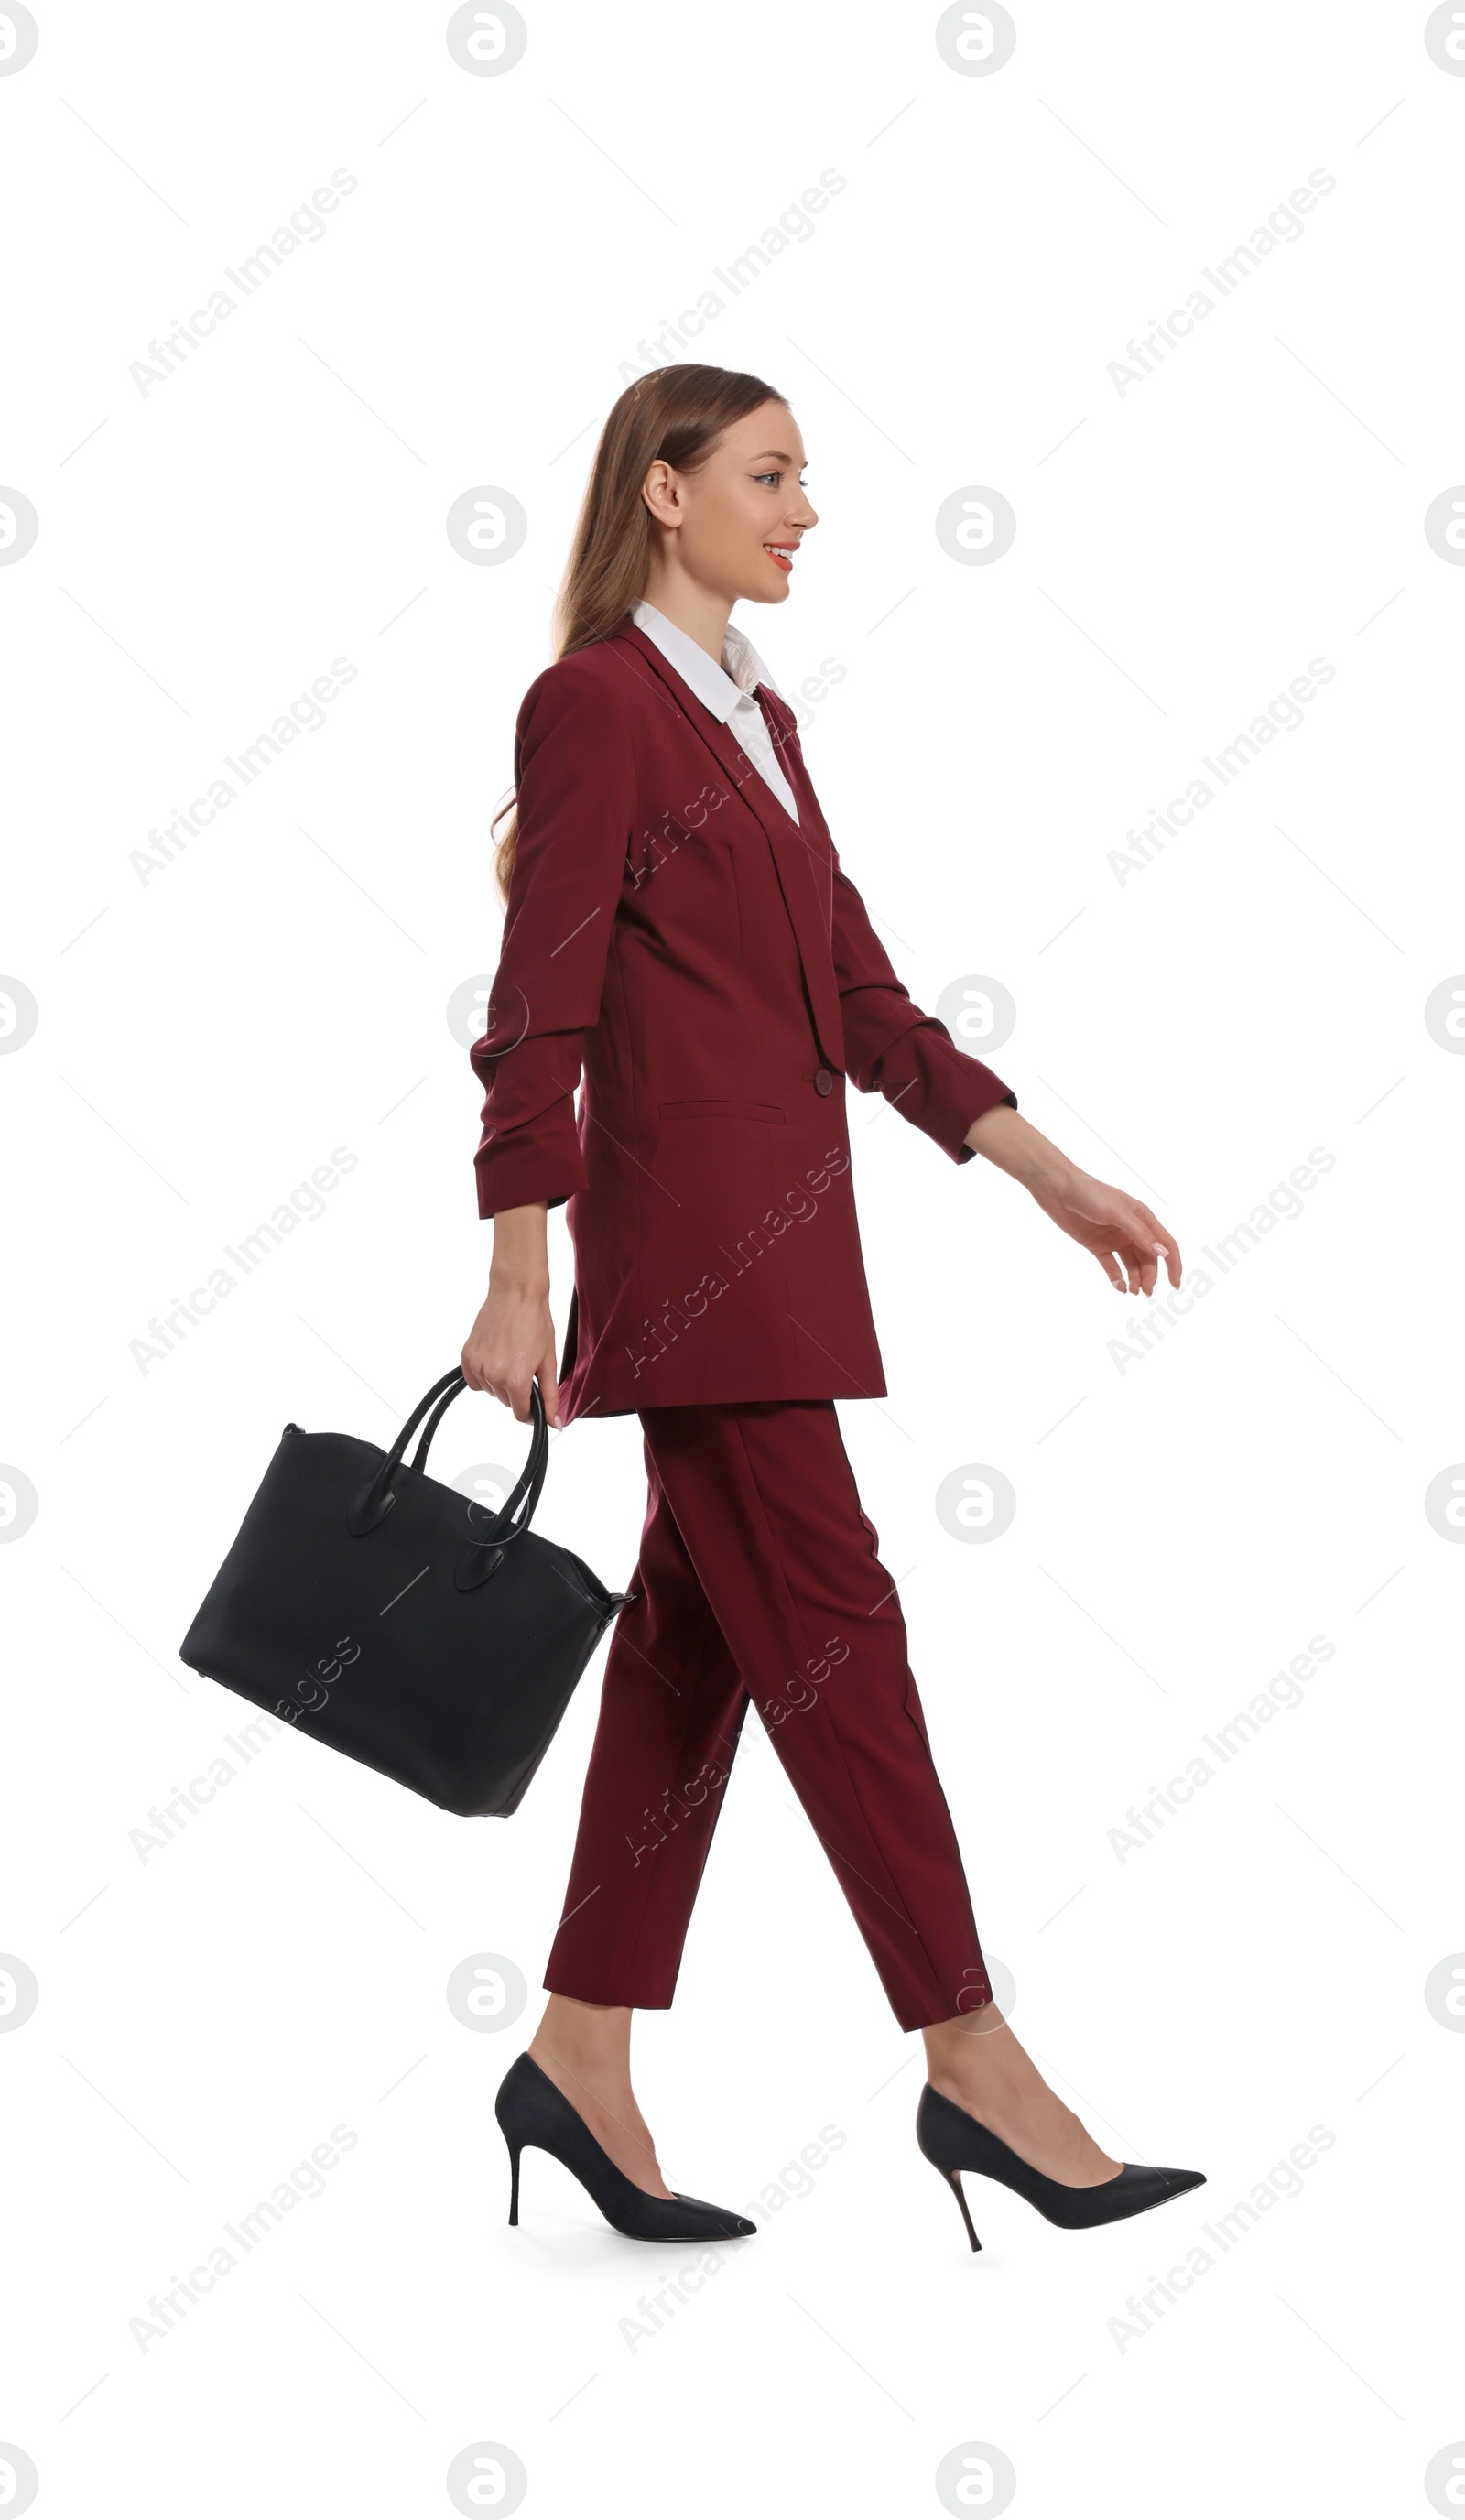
720,690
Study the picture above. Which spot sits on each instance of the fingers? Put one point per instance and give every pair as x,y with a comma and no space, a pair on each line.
1149,1256
1132,1267
493,1357
1142,1249
1130,1244
549,1385
1163,1245
511,1390
1122,1264
475,1367
1141,1265
482,1373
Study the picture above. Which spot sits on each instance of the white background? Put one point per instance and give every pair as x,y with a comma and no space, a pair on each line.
1185,1525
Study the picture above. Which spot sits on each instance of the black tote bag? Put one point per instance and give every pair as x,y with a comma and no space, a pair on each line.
399,1621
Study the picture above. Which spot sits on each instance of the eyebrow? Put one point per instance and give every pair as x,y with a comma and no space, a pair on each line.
783,457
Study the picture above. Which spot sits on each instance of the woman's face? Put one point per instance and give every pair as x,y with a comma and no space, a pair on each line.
735,525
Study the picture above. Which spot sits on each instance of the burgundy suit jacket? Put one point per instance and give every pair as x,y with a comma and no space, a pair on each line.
673,933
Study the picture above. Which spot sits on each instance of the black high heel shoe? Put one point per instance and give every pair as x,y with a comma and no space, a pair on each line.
953,2141
531,2109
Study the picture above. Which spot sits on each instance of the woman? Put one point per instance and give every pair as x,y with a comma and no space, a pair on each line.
679,927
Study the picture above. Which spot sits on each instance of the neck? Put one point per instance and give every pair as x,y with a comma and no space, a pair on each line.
697,610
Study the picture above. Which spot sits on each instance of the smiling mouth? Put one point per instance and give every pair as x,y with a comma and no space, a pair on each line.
782,553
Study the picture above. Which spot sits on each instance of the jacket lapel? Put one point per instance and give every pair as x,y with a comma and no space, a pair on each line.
801,854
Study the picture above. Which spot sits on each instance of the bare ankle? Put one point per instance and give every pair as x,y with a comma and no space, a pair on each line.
590,2041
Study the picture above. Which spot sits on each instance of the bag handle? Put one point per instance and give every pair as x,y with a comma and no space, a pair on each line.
508,1522
485,1554
456,1384
375,1502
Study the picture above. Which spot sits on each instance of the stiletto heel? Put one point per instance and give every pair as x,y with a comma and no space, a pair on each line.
954,2141
954,2180
531,2109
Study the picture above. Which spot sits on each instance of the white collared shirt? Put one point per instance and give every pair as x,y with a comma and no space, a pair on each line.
730,694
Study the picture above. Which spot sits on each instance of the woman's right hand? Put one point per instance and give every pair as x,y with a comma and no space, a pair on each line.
513,1340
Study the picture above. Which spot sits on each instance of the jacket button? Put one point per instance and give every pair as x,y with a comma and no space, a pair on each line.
823,1082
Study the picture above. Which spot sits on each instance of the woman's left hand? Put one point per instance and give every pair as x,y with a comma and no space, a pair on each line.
1127,1241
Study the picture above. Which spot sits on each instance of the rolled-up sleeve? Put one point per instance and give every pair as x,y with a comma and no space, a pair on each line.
576,804
892,1047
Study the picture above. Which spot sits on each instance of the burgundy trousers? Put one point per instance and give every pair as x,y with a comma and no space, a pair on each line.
758,1579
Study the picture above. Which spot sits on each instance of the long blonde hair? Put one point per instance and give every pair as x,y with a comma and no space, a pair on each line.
673,414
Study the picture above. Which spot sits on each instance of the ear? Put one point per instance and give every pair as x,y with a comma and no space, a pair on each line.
659,493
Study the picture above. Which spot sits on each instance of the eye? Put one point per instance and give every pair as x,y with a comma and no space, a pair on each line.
775,477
